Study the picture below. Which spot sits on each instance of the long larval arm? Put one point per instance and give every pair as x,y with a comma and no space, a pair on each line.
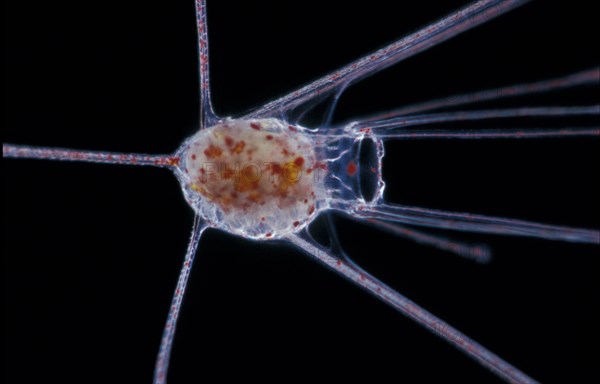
166,344
450,26
408,308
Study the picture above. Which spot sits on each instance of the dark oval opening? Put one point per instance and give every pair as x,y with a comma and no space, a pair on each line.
369,169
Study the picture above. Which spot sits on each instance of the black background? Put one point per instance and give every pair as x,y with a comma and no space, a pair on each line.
91,253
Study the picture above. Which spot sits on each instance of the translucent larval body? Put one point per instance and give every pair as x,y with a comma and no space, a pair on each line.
267,179
258,178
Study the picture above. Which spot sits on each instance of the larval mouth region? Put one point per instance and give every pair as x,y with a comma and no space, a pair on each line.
257,178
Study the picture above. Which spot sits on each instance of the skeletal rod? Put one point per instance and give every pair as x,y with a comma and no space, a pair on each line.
433,34
62,154
408,308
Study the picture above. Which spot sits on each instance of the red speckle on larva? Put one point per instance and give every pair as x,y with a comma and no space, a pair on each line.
351,168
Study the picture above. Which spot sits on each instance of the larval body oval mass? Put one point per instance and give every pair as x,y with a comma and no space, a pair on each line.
259,178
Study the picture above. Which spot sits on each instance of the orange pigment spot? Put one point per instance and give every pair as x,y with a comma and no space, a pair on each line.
239,147
213,151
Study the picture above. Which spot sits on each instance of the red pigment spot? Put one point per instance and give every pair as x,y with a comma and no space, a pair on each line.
305,201
172,161
276,168
296,223
339,262
212,151
365,130
299,161
351,168
269,234
228,141
285,152
255,126
269,137
193,157
202,171
292,128
262,219
311,209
